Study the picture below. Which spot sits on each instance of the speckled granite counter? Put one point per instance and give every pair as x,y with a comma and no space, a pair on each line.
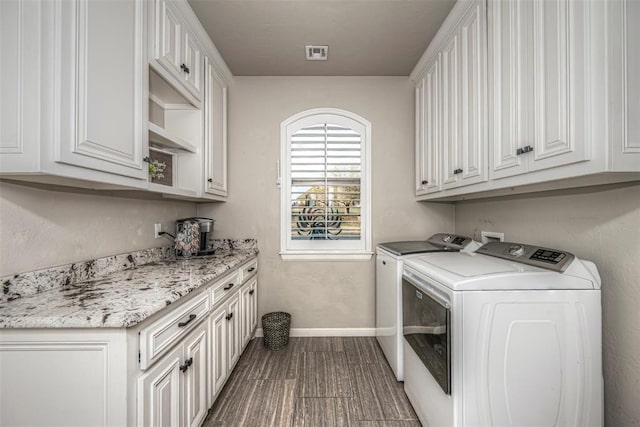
112,292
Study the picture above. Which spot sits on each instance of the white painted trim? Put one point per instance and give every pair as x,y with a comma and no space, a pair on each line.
326,332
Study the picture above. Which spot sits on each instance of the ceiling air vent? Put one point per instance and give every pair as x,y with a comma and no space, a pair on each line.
317,53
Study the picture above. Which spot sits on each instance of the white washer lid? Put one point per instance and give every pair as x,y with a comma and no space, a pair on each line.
471,271
467,266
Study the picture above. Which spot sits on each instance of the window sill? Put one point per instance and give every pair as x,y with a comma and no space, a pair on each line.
325,256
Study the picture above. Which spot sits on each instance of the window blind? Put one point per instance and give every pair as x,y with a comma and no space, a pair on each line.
326,171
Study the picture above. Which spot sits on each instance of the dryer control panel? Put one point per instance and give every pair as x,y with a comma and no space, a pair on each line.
550,259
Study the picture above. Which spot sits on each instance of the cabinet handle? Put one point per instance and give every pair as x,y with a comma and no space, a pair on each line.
229,316
524,150
226,288
425,182
184,68
186,364
146,159
457,171
251,291
192,317
251,269
384,262
210,180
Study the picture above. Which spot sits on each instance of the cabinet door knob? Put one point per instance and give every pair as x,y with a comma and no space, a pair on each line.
425,182
210,180
457,171
226,288
186,364
384,262
229,316
251,291
184,68
192,317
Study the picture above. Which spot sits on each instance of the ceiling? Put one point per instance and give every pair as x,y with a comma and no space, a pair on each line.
365,37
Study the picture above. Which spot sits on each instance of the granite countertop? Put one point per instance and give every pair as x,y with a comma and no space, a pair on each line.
119,299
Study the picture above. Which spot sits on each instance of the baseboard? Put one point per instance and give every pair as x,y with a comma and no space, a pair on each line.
327,332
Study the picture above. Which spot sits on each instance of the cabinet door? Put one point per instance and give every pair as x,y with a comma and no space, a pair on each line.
624,86
254,307
451,112
215,133
473,102
20,98
101,79
245,312
561,73
233,331
196,356
159,391
168,33
428,130
510,86
193,65
218,357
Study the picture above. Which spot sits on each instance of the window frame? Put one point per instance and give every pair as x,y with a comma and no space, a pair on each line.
325,250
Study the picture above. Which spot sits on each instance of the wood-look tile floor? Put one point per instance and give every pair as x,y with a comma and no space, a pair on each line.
335,381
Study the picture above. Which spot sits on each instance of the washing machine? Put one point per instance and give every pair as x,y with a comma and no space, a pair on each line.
389,261
507,336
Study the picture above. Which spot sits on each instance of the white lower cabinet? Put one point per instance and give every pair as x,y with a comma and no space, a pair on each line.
162,372
248,300
174,391
233,331
218,355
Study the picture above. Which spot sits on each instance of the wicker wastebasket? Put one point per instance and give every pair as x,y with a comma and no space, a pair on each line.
275,327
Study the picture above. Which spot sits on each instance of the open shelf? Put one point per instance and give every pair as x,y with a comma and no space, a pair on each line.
161,137
165,95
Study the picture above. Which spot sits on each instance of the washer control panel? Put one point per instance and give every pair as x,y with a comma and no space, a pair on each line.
550,259
449,241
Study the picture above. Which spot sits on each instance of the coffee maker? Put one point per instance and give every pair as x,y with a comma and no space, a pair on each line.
193,237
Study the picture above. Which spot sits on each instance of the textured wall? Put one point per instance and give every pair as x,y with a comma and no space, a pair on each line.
604,227
320,294
41,228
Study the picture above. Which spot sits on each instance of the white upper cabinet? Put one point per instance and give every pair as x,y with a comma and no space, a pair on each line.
624,86
472,154
450,108
215,143
73,84
451,139
548,112
176,54
428,128
538,85
101,81
193,64
168,30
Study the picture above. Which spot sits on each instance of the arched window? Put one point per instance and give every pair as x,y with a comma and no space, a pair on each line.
325,186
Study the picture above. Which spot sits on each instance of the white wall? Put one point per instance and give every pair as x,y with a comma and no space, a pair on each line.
602,226
320,294
42,228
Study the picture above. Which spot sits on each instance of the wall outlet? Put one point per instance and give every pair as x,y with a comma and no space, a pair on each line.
491,236
157,228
